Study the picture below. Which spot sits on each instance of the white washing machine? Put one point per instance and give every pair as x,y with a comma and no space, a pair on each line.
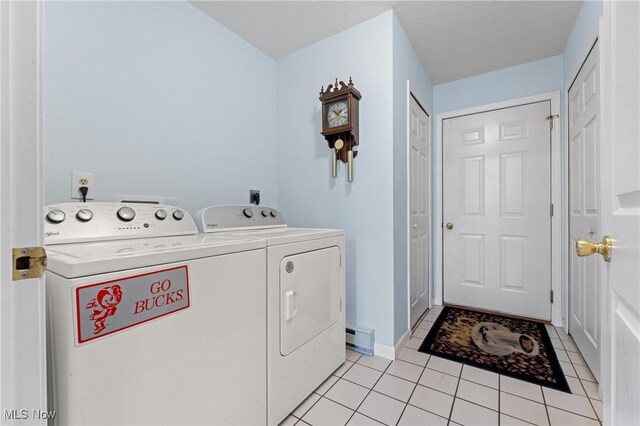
150,322
305,300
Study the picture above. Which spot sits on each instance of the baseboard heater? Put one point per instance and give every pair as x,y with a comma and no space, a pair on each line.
361,339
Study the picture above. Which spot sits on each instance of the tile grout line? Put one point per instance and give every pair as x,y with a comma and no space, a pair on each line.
499,396
424,367
546,407
377,391
322,396
577,378
415,386
453,404
369,393
582,385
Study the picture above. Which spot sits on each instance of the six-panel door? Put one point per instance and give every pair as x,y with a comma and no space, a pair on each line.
496,210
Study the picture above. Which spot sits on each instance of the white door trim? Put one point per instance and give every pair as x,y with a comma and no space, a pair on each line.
559,221
22,303
427,109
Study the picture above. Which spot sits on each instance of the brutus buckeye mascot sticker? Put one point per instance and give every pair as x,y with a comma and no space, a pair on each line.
108,307
104,305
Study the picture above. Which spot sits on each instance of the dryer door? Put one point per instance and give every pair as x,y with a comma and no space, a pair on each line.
309,296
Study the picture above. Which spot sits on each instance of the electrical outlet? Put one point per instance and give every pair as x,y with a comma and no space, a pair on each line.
79,179
254,196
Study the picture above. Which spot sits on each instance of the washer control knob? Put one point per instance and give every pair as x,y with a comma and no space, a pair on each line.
161,214
84,215
56,216
126,214
264,213
178,215
247,212
273,213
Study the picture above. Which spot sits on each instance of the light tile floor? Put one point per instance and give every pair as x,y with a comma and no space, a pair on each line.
419,389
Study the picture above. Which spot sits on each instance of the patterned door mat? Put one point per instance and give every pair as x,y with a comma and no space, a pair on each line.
512,347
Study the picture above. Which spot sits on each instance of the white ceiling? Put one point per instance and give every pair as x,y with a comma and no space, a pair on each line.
454,39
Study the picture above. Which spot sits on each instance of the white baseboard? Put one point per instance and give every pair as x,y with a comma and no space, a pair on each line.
403,340
384,351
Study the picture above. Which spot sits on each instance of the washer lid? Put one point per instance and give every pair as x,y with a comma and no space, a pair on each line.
277,236
82,259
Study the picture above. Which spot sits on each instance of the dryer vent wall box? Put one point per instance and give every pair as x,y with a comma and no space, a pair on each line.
361,339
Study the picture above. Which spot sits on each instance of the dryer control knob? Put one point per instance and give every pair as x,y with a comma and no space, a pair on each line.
178,215
161,214
247,212
56,216
126,213
264,213
84,215
273,213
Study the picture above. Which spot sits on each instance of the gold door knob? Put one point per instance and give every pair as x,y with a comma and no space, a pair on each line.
449,225
587,248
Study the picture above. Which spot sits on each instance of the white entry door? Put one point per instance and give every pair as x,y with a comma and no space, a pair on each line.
23,390
496,210
620,158
584,209
419,137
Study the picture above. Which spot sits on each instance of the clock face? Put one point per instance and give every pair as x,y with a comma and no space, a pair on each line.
337,114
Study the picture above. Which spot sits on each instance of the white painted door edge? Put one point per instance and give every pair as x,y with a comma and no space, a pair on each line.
565,184
22,303
427,108
559,221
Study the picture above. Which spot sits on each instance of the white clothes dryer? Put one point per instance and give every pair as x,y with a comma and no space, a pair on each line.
305,300
150,322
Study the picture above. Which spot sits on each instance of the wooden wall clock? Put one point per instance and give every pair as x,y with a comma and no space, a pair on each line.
340,123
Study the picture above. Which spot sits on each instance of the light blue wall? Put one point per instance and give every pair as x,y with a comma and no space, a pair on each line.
406,66
156,98
581,38
308,196
523,80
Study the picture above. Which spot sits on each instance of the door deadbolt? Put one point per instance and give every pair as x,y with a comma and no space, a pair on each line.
449,225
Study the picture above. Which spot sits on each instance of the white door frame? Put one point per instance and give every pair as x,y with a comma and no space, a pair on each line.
22,303
427,108
559,221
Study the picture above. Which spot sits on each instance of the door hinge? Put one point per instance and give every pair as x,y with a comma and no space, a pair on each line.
550,118
551,296
551,209
29,262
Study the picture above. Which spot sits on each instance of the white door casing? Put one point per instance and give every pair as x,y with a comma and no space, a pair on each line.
497,196
22,303
620,177
419,206
584,209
